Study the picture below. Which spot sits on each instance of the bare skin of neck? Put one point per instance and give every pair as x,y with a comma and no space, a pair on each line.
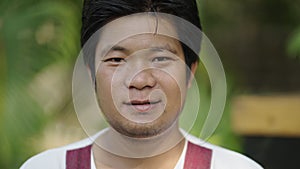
152,153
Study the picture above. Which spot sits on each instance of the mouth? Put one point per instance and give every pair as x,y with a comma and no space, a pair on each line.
142,105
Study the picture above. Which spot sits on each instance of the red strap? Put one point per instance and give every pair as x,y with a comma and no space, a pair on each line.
197,157
79,158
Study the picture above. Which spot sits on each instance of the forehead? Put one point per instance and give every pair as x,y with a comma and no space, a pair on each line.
132,25
143,41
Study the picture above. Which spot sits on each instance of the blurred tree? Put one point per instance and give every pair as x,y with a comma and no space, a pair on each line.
33,35
37,34
293,46
251,37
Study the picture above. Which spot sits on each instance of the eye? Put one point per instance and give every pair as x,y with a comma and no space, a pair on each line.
115,60
161,59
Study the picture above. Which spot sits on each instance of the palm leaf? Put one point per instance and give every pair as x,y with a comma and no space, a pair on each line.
33,35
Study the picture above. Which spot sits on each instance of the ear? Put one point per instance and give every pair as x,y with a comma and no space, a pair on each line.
89,70
93,79
194,67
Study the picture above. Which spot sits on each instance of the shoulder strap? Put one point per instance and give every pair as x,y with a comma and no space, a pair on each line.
197,157
79,158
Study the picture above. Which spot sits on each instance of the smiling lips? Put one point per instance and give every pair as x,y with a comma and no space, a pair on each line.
142,105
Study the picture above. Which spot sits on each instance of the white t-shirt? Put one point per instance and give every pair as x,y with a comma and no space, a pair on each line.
221,158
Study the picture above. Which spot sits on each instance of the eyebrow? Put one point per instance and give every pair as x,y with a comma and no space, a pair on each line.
119,48
162,48
111,48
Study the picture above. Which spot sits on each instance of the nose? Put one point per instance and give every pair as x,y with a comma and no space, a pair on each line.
141,80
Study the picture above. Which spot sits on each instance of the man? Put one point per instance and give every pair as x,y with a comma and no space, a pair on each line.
142,65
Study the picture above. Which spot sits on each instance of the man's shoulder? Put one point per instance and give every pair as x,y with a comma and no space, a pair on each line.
53,158
48,159
223,158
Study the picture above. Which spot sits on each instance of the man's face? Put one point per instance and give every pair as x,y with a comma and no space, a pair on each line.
141,80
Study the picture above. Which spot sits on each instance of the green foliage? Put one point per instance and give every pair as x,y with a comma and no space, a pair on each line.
223,135
33,35
293,46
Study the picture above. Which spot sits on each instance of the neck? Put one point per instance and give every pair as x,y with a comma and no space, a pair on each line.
113,150
121,145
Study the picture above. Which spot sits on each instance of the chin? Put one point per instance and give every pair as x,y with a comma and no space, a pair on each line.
138,130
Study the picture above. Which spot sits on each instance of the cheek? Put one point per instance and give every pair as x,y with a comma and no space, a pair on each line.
175,78
174,89
105,75
175,86
103,82
109,87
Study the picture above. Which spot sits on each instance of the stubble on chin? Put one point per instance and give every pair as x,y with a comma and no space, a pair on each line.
139,130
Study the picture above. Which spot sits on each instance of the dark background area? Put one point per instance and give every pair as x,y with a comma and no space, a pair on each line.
258,42
252,38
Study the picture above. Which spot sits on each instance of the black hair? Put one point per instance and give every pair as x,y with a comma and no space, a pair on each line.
97,13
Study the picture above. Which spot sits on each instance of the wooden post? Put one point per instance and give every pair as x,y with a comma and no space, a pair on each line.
272,115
